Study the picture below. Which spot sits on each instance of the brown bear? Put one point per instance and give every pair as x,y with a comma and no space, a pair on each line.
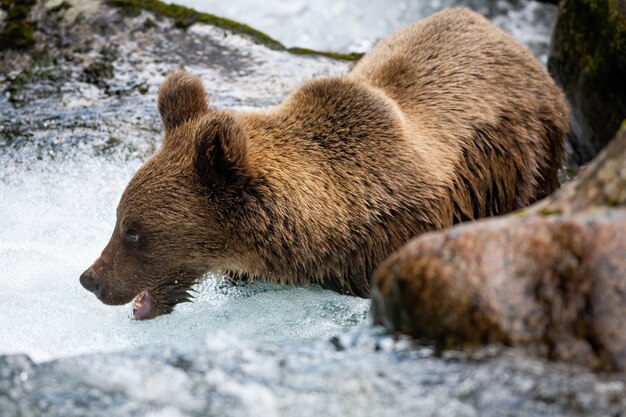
446,120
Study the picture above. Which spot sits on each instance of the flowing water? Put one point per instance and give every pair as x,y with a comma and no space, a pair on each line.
68,146
70,151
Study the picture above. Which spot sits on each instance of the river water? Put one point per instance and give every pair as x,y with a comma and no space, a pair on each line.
72,147
67,149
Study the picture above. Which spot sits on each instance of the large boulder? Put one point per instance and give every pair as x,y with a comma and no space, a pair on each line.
588,58
551,278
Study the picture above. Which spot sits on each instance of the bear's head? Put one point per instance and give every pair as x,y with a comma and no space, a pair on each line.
181,214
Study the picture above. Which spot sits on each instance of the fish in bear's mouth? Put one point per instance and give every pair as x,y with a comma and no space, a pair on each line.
143,306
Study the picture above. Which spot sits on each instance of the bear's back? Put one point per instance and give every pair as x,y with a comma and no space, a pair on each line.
454,64
476,100
447,120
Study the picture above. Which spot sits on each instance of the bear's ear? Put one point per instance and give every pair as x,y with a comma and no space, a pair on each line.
181,98
221,151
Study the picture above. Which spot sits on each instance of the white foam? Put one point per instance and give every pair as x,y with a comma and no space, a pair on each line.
55,218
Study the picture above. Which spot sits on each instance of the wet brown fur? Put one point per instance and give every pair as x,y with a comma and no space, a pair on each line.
444,121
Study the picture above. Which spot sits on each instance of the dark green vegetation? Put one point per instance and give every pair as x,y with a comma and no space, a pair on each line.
97,72
48,78
184,17
63,6
17,32
353,56
588,58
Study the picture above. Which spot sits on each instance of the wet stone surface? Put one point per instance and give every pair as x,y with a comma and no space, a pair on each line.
92,82
360,374
550,278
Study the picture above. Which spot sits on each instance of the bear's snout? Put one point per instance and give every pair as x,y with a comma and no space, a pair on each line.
88,281
103,280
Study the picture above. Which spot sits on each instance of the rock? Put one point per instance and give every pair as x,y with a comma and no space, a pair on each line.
16,29
369,376
588,59
551,278
89,82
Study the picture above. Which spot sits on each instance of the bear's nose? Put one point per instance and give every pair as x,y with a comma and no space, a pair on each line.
88,282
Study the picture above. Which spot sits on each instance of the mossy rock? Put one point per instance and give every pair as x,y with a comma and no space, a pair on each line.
551,279
184,17
17,33
588,58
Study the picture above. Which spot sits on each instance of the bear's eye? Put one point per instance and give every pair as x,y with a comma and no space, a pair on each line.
131,236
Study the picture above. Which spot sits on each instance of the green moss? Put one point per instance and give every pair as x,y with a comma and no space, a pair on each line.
354,56
60,7
549,211
97,72
588,58
622,129
16,84
11,133
17,32
149,24
143,89
109,146
184,17
612,200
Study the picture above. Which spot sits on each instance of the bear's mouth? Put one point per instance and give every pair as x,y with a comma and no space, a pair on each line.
162,298
143,306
